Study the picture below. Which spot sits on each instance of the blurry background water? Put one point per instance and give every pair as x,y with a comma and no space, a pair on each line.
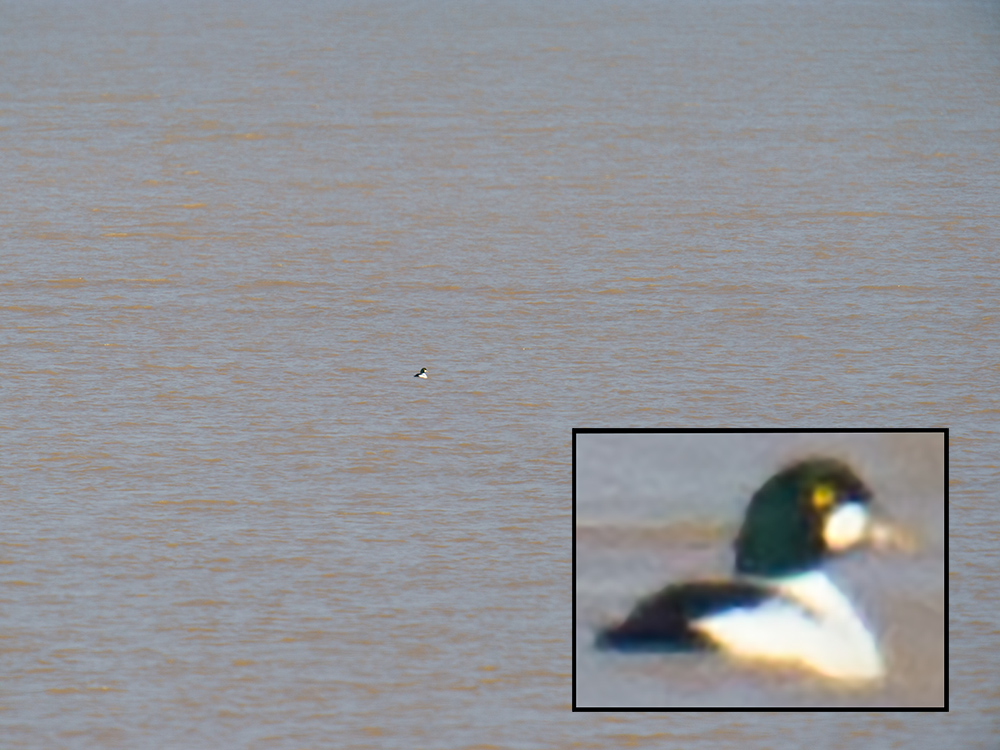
231,233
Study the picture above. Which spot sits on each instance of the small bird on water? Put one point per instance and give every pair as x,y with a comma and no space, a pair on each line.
422,373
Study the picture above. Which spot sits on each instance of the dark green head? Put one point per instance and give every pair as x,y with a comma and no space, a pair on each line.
803,513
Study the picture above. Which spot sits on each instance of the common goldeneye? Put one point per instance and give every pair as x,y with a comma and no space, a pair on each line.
781,607
422,373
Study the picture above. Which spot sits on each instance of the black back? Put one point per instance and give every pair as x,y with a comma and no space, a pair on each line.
663,621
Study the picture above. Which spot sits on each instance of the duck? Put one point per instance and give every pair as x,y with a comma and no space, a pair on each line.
422,373
781,607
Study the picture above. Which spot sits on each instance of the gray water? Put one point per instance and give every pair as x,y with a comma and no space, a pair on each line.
231,234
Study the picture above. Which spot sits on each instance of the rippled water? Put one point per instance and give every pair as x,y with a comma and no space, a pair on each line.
230,516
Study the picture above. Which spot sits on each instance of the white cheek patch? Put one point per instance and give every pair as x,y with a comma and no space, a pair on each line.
846,526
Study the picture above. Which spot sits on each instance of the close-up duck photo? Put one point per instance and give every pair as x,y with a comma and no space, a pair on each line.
799,606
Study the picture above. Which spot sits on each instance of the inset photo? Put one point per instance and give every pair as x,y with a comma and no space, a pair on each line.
732,569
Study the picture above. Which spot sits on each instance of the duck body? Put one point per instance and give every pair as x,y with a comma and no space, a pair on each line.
422,373
781,607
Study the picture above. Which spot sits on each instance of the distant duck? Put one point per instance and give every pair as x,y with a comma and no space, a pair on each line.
422,373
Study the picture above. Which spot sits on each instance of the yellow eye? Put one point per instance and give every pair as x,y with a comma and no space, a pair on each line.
823,497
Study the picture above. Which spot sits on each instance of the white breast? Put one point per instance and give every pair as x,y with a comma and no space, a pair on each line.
812,624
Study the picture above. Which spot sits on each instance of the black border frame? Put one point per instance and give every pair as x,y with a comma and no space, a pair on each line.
867,709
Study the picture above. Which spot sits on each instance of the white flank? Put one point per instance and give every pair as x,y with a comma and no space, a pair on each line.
812,625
